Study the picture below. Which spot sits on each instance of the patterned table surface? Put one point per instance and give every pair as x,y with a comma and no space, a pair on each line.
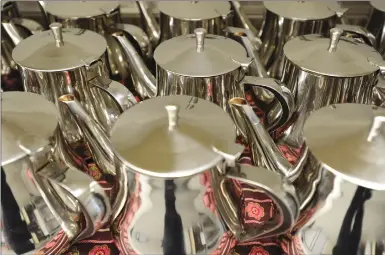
257,209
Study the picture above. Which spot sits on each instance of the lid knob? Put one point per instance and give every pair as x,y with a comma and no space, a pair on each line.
56,29
173,116
375,129
194,2
335,35
200,34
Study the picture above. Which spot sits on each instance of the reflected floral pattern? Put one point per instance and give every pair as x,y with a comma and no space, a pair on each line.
257,209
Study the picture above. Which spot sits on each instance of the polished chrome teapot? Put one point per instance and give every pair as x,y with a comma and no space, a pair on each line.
284,20
99,16
183,17
343,151
61,61
376,25
345,71
195,146
200,65
43,200
179,201
349,204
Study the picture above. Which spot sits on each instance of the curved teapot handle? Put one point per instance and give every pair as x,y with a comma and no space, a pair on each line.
93,201
280,92
357,33
280,191
122,97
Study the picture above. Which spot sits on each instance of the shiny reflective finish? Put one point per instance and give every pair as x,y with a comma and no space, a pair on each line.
13,30
99,16
183,17
42,199
77,68
180,202
376,25
341,70
284,20
345,149
350,198
201,65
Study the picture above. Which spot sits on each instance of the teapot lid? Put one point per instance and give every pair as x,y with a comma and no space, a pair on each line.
194,10
59,49
303,10
174,136
349,139
79,9
200,54
378,4
335,56
28,120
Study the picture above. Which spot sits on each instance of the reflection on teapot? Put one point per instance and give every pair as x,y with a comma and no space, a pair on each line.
183,17
198,65
61,61
180,202
42,199
99,16
376,25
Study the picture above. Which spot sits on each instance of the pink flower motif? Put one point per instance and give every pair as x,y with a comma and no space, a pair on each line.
100,250
258,250
255,210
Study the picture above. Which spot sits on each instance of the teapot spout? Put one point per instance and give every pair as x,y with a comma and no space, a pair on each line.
150,23
263,149
98,142
144,80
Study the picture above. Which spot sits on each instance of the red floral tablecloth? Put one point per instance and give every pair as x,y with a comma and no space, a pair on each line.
257,209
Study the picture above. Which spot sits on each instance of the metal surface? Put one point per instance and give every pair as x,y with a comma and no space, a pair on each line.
354,132
202,128
42,199
376,25
79,10
162,197
41,116
41,52
182,18
276,30
199,55
336,56
349,132
341,84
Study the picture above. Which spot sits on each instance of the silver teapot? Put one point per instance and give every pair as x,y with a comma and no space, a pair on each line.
183,17
202,65
99,16
349,204
376,25
43,200
179,158
61,61
321,71
342,159
284,20
199,139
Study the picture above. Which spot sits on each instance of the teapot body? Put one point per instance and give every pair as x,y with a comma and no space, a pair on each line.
171,27
174,216
79,82
277,30
336,221
313,91
217,89
376,25
31,214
